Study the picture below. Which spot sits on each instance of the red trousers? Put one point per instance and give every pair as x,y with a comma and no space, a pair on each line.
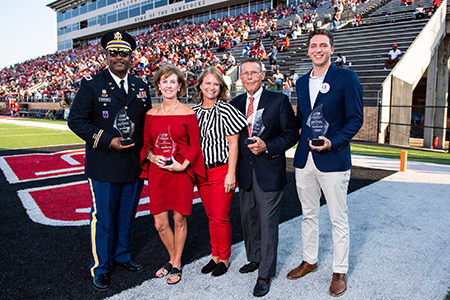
217,206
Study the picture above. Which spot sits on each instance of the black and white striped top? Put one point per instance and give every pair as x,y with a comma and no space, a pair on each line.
216,123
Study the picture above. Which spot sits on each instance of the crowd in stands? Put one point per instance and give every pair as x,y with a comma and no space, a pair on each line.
192,47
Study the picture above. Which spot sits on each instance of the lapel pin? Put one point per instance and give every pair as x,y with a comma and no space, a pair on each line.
325,88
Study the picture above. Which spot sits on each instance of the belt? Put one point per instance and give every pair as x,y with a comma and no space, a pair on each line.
215,165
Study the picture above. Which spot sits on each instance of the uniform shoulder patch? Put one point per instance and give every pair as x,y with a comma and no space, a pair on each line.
88,77
143,79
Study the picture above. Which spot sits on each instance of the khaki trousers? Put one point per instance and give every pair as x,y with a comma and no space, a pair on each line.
310,181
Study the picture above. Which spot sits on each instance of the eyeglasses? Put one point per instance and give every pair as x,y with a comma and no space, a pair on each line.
122,53
252,73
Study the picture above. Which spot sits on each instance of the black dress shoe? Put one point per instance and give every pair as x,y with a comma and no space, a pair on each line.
250,267
101,282
262,287
209,267
220,269
130,266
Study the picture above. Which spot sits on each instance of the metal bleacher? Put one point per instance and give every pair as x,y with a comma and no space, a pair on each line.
365,47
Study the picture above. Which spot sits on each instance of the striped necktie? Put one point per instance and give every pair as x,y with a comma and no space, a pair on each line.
249,113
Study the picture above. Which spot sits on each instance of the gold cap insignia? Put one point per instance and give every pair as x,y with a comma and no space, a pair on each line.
118,36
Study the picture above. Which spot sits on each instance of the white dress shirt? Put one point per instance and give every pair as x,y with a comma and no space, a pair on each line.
257,97
117,80
314,86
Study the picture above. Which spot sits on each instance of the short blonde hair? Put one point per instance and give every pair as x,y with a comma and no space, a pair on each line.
167,70
219,76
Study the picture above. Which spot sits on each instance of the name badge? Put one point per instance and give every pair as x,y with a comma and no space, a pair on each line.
104,99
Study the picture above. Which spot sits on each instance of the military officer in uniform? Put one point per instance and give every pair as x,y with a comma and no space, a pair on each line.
112,166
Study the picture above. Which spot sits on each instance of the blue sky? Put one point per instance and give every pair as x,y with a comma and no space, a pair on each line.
28,30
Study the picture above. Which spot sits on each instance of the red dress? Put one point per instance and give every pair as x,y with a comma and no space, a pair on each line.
172,190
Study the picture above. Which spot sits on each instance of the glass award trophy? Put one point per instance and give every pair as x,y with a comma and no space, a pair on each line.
318,125
125,126
165,143
258,127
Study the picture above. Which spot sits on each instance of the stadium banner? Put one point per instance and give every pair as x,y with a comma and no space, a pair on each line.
175,8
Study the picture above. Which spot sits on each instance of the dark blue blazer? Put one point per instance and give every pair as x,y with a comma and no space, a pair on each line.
343,110
280,134
91,117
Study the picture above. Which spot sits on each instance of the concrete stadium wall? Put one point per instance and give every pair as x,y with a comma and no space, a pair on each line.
398,87
43,105
37,105
400,112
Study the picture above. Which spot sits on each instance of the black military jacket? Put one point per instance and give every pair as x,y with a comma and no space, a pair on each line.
92,118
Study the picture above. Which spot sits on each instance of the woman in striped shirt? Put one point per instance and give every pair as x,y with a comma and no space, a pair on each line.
219,124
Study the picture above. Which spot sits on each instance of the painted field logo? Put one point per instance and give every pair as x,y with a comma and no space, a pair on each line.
66,204
29,167
70,204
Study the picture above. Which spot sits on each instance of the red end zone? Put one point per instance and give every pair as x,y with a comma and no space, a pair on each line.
28,167
66,204
58,205
70,204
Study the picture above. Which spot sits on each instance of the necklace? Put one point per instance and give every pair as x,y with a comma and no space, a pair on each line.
162,108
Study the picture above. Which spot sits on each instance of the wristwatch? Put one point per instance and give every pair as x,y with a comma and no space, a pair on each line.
148,152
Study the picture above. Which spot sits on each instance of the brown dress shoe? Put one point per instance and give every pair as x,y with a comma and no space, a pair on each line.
303,269
338,285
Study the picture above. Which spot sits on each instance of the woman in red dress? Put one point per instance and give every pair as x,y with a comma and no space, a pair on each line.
171,160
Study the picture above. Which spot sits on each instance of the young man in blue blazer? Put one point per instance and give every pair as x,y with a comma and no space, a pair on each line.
338,93
272,129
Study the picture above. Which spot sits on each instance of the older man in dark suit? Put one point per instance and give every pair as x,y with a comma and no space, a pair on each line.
101,115
323,162
272,129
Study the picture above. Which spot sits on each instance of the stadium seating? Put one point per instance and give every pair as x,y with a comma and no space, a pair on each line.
365,48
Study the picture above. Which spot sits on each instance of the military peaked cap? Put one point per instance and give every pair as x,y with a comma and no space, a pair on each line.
118,40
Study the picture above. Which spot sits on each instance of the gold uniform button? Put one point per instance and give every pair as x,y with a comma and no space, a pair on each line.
126,107
127,118
104,104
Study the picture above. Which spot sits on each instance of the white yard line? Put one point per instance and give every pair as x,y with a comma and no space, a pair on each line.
34,124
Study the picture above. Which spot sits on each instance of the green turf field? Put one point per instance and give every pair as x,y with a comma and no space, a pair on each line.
394,153
64,122
18,136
